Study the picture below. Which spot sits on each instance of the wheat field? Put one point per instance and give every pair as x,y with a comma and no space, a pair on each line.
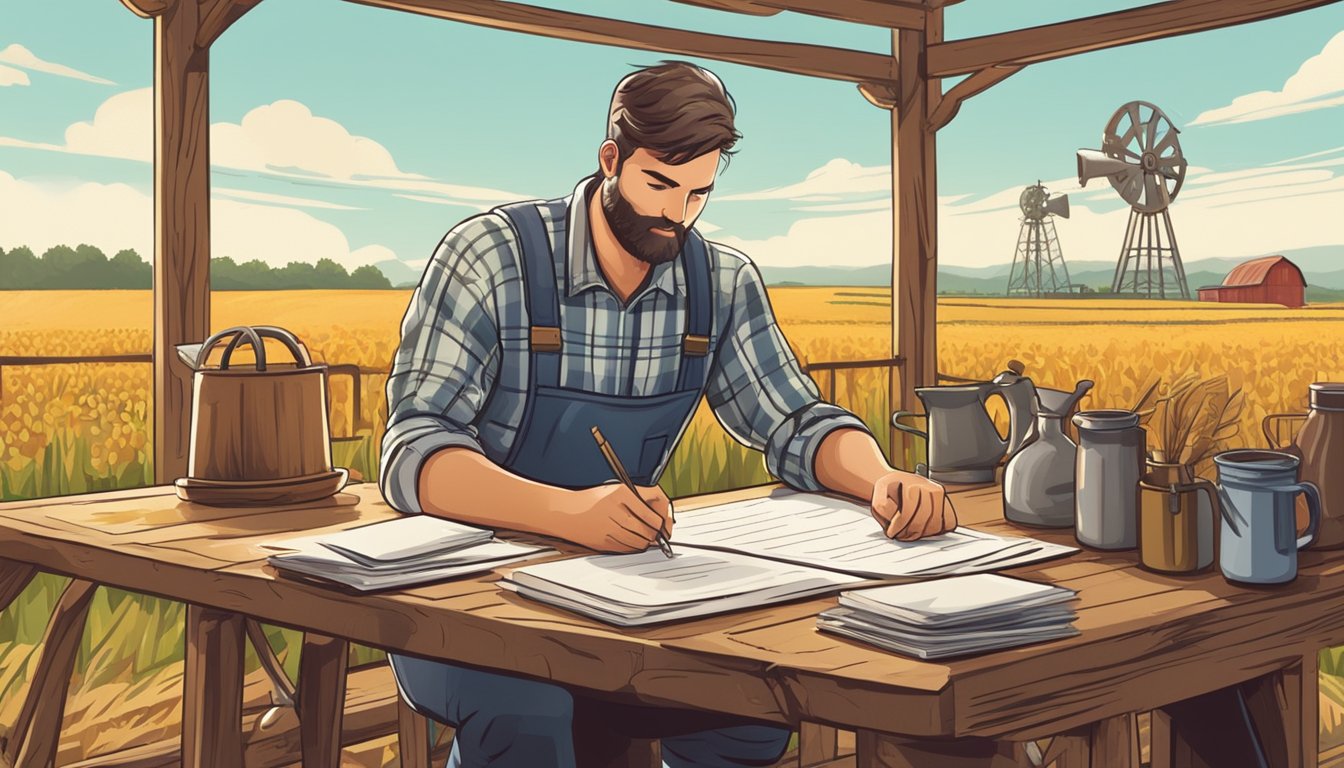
78,428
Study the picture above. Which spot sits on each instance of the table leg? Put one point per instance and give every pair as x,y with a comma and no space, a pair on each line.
14,576
1115,742
412,736
1268,714
881,750
817,743
212,689
322,670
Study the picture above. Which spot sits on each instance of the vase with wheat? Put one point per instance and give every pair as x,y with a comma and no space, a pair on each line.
1192,419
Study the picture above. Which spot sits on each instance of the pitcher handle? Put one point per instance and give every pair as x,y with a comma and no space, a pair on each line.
895,417
1313,509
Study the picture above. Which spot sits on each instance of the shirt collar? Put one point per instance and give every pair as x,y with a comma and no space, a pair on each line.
582,271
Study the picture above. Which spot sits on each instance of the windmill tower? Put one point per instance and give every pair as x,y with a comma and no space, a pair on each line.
1038,263
1141,156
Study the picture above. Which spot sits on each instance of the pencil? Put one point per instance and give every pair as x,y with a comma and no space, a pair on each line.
615,462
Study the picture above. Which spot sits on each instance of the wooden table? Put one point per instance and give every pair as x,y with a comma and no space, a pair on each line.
1221,664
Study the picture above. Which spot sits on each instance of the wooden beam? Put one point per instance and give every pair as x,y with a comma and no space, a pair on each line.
14,577
949,103
218,16
36,733
914,222
148,9
872,12
795,58
212,689
181,227
735,6
1094,33
322,670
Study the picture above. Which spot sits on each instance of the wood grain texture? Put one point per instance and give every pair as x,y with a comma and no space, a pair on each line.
412,734
218,16
1115,743
322,669
36,732
797,58
212,689
877,750
14,577
914,258
1147,22
817,743
181,226
1147,639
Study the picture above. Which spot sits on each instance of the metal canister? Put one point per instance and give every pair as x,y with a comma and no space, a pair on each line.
1177,512
1109,467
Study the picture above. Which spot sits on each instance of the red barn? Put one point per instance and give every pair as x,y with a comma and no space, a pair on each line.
1267,280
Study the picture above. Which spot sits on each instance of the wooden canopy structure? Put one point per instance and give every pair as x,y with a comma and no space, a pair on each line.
907,81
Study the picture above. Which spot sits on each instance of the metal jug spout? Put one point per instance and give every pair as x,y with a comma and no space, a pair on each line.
1058,402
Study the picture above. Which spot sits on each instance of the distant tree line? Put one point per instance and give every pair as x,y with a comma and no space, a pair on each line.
87,267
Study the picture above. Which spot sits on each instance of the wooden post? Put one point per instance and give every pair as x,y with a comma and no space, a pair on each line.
879,750
212,689
914,265
181,225
322,669
817,744
412,736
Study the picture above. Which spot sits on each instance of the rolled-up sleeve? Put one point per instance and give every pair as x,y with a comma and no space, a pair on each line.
445,363
760,394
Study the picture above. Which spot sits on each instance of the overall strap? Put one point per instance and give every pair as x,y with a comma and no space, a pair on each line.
543,305
699,300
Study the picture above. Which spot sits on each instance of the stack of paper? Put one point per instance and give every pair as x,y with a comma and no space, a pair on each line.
408,550
647,587
954,616
825,532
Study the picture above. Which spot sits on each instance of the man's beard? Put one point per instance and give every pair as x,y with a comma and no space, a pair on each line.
632,230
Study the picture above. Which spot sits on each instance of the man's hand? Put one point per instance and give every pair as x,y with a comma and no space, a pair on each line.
611,518
910,507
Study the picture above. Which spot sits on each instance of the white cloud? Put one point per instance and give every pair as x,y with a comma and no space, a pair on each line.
281,140
19,56
11,76
1225,214
117,216
1317,84
264,197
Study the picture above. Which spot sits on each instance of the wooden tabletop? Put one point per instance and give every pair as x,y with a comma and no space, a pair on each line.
1147,639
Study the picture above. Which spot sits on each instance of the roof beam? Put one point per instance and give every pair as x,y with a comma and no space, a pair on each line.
878,13
796,58
947,106
1149,22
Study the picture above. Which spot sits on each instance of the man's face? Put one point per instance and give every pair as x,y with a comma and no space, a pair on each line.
650,204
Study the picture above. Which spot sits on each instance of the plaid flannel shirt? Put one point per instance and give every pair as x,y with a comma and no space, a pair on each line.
460,373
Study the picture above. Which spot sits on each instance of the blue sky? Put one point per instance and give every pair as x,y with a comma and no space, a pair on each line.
310,99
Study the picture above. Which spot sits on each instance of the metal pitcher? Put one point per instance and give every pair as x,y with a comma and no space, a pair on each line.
964,446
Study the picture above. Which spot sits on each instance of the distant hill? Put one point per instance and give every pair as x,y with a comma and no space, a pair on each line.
1323,267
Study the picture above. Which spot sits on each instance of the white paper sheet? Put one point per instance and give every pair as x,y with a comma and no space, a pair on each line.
826,532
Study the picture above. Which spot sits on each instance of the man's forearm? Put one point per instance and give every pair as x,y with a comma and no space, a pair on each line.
849,461
461,484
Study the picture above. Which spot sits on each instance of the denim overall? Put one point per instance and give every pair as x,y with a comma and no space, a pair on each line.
504,721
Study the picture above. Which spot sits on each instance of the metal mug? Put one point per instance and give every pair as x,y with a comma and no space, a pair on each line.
1177,512
1259,540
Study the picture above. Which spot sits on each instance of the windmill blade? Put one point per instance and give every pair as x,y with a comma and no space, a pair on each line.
1152,132
1168,140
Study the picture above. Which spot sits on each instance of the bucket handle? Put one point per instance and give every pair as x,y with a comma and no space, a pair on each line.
254,335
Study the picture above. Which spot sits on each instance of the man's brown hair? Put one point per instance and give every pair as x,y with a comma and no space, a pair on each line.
675,110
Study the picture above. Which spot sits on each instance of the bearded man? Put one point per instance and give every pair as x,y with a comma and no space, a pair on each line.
538,320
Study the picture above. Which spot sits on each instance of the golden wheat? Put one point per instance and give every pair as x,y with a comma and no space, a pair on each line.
1270,353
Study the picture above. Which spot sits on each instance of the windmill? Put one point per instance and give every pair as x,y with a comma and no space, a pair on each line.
1141,156
1038,263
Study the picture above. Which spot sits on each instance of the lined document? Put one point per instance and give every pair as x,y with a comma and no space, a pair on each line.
647,587
825,532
